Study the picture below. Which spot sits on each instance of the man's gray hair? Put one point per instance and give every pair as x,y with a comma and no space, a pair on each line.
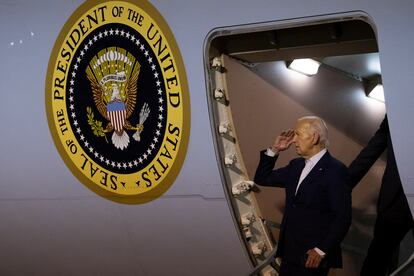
317,125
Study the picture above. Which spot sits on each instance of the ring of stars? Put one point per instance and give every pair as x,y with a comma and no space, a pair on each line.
156,138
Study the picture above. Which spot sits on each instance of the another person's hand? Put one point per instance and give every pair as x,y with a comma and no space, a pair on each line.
283,141
313,260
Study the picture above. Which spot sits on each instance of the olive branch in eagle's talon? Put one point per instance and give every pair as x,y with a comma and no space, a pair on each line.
96,125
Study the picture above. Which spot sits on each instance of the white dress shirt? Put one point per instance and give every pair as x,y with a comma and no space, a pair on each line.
309,164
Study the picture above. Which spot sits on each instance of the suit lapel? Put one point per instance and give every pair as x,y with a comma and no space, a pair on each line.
316,171
299,167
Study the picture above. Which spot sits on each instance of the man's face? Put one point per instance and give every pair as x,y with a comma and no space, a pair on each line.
303,139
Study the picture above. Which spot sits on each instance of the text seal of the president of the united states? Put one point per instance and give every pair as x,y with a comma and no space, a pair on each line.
117,100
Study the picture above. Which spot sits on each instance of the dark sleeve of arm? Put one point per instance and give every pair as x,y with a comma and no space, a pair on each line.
368,155
340,211
266,176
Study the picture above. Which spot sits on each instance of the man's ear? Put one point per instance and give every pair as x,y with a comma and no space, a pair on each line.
315,138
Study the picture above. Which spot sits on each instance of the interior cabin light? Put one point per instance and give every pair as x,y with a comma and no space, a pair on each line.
374,88
306,66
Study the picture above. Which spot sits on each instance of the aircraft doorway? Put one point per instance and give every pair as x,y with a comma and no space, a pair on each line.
253,96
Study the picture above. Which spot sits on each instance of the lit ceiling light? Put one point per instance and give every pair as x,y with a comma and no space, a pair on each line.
374,88
305,66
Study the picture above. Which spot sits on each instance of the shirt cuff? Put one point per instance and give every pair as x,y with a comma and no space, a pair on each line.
270,152
320,252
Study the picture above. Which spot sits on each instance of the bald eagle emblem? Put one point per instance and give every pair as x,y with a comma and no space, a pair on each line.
113,75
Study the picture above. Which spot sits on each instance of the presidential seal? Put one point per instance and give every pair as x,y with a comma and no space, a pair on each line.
117,100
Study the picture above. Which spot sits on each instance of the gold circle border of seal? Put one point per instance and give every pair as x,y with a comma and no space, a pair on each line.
56,118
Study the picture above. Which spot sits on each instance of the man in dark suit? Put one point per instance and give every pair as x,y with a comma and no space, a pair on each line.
394,218
318,199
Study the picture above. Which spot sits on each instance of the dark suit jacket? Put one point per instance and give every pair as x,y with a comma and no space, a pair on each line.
319,215
392,201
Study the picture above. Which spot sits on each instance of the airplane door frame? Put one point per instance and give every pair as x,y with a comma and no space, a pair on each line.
237,187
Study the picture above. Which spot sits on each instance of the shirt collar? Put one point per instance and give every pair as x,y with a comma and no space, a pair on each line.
315,159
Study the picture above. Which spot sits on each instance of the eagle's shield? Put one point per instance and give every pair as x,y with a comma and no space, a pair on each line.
116,114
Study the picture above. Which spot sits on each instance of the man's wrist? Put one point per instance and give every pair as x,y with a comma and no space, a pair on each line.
320,252
272,152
